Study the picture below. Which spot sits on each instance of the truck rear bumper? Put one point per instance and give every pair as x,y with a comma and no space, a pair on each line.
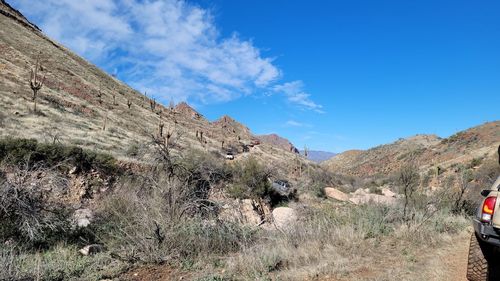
486,232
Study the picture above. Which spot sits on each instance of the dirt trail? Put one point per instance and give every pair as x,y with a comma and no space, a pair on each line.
454,259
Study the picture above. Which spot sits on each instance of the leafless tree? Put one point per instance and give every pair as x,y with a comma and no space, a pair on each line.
408,178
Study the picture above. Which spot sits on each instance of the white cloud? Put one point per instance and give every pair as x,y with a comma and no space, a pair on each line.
294,91
293,123
170,48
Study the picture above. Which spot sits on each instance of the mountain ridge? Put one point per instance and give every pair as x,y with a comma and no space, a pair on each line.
426,151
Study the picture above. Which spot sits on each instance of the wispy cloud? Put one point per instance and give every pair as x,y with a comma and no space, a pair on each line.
293,123
295,94
170,48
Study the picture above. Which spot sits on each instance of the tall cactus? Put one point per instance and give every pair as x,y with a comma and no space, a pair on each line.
152,104
161,125
35,83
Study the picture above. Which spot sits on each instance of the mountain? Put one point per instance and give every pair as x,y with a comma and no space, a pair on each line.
426,151
278,141
82,105
318,156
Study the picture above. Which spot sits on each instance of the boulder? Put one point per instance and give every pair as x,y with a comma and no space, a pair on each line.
336,194
91,249
241,211
82,218
358,199
360,191
284,217
387,192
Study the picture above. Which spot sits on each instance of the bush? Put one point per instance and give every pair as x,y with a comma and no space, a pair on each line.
27,215
165,222
31,152
250,180
60,263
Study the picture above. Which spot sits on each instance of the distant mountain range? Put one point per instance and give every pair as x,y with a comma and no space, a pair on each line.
318,156
427,151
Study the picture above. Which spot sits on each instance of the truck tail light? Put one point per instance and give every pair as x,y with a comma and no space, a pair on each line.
488,209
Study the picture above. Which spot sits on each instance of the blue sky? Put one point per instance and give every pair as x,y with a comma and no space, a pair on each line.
332,75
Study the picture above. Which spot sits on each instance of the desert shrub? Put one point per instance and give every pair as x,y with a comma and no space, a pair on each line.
250,180
133,150
163,222
60,263
31,152
27,215
487,173
319,190
475,162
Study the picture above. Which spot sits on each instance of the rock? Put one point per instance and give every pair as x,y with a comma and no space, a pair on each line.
387,192
284,217
82,217
241,211
91,249
360,191
73,170
336,194
358,199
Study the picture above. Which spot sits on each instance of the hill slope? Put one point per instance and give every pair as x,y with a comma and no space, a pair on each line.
80,104
425,150
318,156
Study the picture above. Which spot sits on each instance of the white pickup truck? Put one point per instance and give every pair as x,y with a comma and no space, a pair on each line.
484,249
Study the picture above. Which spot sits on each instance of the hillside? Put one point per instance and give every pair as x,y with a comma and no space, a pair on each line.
427,151
278,141
82,105
318,156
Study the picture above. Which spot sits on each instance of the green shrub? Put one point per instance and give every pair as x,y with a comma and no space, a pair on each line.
251,180
31,152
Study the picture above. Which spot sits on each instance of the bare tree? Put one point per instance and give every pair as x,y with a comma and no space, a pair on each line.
464,181
35,82
408,178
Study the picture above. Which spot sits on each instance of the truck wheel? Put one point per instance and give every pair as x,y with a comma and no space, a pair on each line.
477,267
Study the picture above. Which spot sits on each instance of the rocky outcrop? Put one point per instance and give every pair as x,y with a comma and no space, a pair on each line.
336,194
228,126
279,142
363,196
284,217
186,110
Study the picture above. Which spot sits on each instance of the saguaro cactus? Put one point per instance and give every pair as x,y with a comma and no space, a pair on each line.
152,104
161,125
99,94
35,83
129,104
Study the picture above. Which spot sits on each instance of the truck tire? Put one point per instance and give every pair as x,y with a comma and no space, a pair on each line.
478,268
